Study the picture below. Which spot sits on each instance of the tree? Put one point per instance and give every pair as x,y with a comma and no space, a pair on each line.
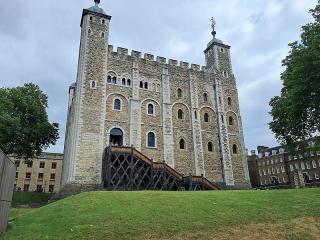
24,127
296,112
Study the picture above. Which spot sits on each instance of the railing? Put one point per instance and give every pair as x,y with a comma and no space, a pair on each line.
7,178
139,155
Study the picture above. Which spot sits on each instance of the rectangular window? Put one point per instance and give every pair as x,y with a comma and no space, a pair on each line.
42,164
17,174
54,165
28,175
51,188
40,176
52,176
303,167
17,163
39,188
26,187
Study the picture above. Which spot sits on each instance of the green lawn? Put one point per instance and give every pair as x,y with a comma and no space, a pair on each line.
277,214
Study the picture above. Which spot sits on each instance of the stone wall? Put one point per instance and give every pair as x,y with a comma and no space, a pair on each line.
191,104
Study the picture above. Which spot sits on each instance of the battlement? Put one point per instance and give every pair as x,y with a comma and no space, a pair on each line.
123,52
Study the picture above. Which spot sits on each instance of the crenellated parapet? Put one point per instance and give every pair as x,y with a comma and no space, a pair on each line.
137,55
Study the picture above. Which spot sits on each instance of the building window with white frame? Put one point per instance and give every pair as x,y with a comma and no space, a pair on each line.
150,109
93,85
314,164
151,140
117,104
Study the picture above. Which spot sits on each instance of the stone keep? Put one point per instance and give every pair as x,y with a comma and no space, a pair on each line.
192,113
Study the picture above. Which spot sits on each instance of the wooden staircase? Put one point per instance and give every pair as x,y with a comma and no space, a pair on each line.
125,168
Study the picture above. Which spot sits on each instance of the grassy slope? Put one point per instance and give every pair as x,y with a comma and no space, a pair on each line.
285,214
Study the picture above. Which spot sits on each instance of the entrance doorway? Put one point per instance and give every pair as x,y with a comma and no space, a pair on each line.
306,178
116,137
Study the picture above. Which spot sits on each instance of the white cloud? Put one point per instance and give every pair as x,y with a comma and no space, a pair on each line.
40,41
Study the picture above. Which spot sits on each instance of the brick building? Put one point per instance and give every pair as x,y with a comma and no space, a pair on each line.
277,167
185,115
41,174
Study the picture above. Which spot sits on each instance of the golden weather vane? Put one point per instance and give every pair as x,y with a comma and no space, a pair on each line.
213,23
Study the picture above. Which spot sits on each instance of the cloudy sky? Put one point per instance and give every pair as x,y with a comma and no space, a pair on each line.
39,43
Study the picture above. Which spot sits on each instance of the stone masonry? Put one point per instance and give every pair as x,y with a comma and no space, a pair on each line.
185,115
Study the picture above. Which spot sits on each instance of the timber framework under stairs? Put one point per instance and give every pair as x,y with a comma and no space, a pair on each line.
126,169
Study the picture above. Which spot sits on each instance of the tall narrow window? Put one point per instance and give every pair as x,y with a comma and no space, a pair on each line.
102,34
179,93
234,149
229,101
230,120
206,117
141,84
103,21
181,144
151,139
123,81
146,85
91,18
93,85
210,147
128,82
109,80
114,80
180,114
205,97
150,109
195,114
117,104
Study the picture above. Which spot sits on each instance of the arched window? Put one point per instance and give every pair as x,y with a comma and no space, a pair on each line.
179,93
89,31
180,114
210,147
151,139
103,21
229,101
146,85
114,80
150,109
128,82
117,104
141,84
91,18
182,144
206,117
109,79
123,81
234,149
205,97
230,120
93,85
